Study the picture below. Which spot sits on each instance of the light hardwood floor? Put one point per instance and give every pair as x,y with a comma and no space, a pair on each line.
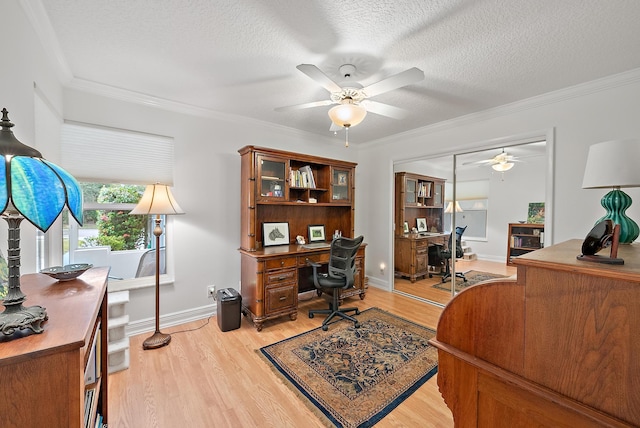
425,289
208,378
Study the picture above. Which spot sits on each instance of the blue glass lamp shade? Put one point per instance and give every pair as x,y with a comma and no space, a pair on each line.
38,190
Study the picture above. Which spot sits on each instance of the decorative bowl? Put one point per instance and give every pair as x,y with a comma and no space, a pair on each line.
67,272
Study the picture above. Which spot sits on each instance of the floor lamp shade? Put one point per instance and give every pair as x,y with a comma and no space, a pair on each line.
37,190
157,199
614,165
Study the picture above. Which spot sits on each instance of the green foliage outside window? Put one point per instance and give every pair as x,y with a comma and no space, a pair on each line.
116,229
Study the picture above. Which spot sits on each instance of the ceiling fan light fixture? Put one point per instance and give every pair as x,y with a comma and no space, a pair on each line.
347,114
502,166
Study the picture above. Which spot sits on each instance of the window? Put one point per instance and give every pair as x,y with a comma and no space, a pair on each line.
113,167
110,236
473,216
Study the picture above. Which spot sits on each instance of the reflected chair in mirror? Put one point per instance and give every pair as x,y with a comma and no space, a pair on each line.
340,275
147,263
447,255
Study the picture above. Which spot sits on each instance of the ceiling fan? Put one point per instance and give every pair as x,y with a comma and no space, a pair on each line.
501,162
352,100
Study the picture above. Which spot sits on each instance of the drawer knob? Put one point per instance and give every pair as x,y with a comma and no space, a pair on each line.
282,263
282,278
282,298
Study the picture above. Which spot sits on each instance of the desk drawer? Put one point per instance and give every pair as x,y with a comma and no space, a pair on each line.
281,276
285,262
281,297
321,258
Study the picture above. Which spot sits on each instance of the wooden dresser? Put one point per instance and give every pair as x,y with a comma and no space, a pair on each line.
558,347
43,376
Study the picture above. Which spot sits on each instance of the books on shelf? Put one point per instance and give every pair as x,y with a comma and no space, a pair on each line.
302,177
424,189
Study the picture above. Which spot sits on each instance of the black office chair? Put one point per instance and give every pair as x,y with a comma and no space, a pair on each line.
342,269
446,255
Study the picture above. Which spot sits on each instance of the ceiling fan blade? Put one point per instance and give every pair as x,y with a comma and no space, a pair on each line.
316,74
385,109
305,105
396,81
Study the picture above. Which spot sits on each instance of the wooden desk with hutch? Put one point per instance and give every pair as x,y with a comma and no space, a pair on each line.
418,197
273,189
42,376
558,347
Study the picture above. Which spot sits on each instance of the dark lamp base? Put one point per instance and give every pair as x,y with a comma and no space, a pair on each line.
158,340
17,317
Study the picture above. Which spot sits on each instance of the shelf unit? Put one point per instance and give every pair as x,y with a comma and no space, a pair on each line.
47,378
523,238
270,192
418,196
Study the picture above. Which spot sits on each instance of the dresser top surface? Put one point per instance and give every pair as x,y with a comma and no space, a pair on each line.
563,256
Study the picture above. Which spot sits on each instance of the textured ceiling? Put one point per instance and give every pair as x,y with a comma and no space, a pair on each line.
240,56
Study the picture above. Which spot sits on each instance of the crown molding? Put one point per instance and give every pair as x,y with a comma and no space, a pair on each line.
39,20
571,92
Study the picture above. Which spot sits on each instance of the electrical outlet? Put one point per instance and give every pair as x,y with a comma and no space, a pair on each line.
211,291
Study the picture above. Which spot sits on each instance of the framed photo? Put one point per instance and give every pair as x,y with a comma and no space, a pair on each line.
406,227
421,224
316,233
536,212
275,234
342,179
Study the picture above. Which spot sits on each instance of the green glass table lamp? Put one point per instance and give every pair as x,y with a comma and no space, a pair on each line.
614,165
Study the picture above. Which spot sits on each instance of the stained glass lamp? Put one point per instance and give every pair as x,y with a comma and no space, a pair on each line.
37,190
614,165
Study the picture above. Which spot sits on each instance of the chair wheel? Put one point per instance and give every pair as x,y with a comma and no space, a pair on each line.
310,315
357,311
357,325
325,328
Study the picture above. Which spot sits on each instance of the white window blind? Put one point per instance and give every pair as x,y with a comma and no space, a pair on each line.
106,155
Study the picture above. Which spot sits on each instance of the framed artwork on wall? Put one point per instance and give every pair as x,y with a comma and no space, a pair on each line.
275,234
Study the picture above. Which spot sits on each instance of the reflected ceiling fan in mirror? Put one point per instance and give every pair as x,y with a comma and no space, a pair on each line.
501,162
352,99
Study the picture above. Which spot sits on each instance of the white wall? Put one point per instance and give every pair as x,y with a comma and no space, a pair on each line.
578,117
205,240
25,66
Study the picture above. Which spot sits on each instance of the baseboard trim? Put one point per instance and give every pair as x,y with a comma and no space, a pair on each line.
148,325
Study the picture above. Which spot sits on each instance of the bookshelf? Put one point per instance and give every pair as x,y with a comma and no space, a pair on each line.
59,377
523,238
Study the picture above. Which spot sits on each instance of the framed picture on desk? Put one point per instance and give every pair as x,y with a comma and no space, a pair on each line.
275,234
316,233
421,224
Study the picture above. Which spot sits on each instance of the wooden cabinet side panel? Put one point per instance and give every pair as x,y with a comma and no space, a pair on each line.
247,202
457,382
589,326
42,389
252,284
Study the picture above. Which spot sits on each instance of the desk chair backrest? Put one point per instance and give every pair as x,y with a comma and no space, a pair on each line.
342,259
459,232
147,263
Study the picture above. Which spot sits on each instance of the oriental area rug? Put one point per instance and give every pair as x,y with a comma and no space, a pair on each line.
473,277
352,377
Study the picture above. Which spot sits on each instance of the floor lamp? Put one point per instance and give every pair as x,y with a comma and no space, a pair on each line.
157,199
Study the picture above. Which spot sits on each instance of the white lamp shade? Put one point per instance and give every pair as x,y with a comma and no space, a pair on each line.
449,208
502,166
612,164
347,114
157,199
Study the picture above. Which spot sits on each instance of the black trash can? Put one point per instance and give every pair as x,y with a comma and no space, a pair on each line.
228,314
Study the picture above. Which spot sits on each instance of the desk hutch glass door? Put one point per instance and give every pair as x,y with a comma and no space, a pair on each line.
340,185
271,178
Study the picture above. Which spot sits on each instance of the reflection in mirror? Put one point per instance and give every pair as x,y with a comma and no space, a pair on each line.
492,187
